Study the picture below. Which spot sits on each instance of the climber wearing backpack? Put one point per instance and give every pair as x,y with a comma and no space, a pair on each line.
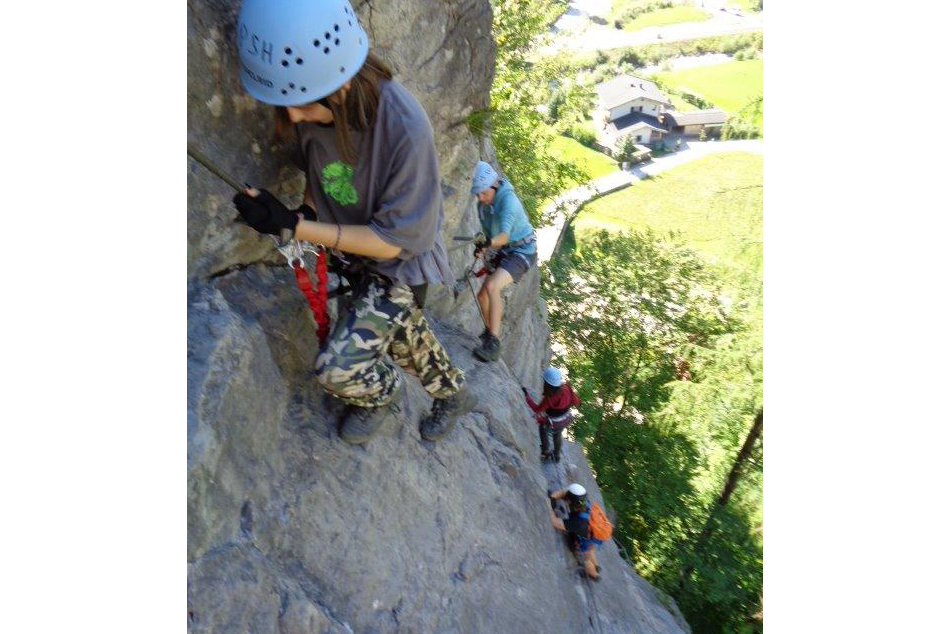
372,196
587,526
507,229
553,413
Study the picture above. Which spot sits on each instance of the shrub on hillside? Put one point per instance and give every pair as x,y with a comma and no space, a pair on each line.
744,124
746,53
630,57
696,100
583,133
738,127
627,11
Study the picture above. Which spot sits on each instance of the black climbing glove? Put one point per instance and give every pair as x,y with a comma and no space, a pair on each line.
481,242
264,213
308,212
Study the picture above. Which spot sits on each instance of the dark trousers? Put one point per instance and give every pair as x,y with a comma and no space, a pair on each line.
544,431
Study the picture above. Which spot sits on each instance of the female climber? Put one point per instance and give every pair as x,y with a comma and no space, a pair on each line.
553,413
372,196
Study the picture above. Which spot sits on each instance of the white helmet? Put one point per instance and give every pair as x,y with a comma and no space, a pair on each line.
295,52
576,490
553,376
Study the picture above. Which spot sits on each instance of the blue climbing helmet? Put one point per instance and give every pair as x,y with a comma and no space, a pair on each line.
485,176
553,376
295,52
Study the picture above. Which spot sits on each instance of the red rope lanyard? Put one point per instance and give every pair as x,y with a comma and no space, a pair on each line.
317,299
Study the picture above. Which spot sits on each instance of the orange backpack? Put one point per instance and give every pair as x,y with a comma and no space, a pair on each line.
600,527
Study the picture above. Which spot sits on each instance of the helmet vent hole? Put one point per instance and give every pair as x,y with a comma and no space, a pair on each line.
326,50
284,63
288,50
299,61
303,89
350,22
316,43
291,84
283,91
336,42
342,69
336,27
326,35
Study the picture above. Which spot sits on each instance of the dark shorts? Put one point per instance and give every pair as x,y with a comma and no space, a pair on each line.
517,264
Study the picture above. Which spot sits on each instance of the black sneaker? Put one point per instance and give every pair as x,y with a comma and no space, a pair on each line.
362,423
485,333
490,349
445,411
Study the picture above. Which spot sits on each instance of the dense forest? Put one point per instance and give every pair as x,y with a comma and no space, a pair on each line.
671,420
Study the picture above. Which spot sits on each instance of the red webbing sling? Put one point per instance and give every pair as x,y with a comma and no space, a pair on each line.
317,299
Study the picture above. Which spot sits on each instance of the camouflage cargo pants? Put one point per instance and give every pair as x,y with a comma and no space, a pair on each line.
353,365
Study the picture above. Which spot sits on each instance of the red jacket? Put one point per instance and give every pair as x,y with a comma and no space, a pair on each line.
555,405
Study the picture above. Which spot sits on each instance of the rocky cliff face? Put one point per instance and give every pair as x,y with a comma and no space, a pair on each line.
291,530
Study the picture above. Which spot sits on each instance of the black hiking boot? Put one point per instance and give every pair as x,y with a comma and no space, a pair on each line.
490,349
362,423
445,411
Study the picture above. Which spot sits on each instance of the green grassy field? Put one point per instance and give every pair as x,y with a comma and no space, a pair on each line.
595,163
730,85
715,203
670,15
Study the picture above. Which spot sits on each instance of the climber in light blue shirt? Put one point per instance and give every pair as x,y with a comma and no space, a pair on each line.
508,230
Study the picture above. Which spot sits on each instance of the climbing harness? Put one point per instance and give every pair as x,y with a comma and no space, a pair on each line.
293,250
523,241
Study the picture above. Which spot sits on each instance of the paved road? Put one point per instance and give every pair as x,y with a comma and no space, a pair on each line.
572,198
577,32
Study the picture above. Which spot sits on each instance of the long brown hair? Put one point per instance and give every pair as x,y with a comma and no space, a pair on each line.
550,390
358,111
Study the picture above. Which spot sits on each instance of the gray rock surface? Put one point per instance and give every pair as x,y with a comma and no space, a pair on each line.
291,530
288,524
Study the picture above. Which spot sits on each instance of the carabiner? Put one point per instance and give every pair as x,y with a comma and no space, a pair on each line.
291,250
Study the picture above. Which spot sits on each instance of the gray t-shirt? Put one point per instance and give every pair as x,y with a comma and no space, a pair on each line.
394,188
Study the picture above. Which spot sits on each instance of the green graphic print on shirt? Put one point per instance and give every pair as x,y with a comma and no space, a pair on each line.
338,183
